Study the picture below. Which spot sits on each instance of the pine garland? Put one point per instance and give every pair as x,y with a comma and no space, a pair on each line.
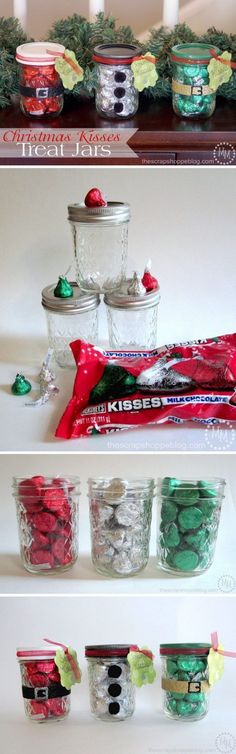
81,36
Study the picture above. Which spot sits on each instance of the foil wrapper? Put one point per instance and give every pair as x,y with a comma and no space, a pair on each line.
111,698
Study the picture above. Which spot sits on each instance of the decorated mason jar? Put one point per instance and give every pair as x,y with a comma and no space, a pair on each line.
41,90
47,515
185,680
132,316
192,96
112,693
188,520
70,318
116,96
45,699
120,522
100,238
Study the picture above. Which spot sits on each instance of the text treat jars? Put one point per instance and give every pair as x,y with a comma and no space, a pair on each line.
47,514
188,520
41,90
116,96
112,693
69,319
192,96
185,683
100,236
45,699
132,319
120,520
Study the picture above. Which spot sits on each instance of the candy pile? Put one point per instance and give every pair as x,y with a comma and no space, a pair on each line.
47,522
44,79
120,519
189,520
112,693
194,671
41,679
192,95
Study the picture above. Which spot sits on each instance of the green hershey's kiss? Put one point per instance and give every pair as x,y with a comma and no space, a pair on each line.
168,512
63,288
186,494
185,560
190,518
171,537
21,386
114,383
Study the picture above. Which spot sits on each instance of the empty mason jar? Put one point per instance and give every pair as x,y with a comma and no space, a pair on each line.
100,238
188,520
132,319
120,522
112,693
116,96
47,515
45,699
41,90
185,680
69,319
191,93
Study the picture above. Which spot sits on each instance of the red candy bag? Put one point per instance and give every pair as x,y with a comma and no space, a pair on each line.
117,390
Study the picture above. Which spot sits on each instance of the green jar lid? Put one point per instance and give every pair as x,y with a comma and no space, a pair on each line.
196,52
184,649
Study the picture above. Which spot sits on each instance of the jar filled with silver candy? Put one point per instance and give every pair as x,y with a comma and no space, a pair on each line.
132,316
120,522
100,239
116,96
112,693
68,319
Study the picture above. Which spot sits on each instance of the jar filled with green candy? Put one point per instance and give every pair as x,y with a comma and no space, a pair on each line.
185,680
192,96
188,520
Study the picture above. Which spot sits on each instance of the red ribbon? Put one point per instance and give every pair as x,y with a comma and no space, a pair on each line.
215,645
72,662
68,60
221,60
145,57
146,652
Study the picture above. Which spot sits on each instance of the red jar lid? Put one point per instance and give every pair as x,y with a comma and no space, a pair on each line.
107,650
184,649
35,654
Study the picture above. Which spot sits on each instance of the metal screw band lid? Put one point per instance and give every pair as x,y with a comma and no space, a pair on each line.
114,212
78,303
121,299
116,53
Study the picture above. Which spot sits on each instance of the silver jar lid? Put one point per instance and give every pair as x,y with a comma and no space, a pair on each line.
78,303
114,212
121,299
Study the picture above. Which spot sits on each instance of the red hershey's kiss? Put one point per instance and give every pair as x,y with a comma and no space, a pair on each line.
94,198
149,282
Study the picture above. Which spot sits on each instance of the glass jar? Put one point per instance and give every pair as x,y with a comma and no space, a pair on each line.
45,699
47,515
188,521
112,693
41,90
116,96
120,522
100,238
191,93
132,319
69,319
185,680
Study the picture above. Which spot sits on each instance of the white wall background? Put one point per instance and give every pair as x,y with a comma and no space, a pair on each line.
145,621
141,16
183,219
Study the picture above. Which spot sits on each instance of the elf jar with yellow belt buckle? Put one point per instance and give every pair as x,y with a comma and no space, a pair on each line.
116,95
192,96
185,680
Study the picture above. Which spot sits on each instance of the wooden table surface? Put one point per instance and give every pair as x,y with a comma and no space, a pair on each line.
161,137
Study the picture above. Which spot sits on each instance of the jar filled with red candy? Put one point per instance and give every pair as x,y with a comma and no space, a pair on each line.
47,514
45,699
41,90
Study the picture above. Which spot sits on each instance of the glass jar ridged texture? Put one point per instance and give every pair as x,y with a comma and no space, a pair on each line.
45,700
116,96
185,686
192,96
112,693
64,328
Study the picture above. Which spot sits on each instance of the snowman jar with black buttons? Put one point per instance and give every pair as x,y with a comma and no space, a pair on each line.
114,670
116,95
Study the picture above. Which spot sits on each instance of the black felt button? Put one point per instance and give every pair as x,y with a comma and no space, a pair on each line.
114,671
114,689
118,107
114,708
119,92
120,77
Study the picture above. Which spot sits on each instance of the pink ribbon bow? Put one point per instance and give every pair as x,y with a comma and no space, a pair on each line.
72,662
215,645
145,652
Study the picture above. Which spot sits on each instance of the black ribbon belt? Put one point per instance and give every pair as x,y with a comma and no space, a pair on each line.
41,92
42,693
